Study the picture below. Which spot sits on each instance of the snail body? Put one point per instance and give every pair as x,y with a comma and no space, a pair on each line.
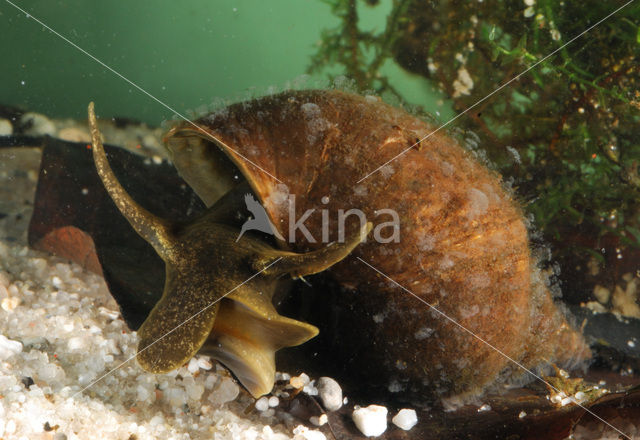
213,297
446,232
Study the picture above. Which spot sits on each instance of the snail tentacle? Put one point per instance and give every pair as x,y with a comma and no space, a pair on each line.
154,230
309,263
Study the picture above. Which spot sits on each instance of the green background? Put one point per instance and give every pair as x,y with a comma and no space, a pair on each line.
187,54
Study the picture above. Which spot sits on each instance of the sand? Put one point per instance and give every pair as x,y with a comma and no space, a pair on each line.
67,367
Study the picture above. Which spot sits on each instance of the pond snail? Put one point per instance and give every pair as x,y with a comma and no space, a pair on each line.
460,245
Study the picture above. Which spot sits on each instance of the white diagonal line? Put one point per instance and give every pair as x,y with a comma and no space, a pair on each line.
177,327
494,92
493,347
200,129
220,142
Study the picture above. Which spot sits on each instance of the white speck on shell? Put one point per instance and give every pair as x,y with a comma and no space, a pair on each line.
478,203
580,396
423,333
566,401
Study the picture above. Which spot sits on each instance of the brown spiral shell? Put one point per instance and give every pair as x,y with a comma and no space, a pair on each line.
463,244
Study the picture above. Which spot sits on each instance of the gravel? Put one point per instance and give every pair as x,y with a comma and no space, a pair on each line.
405,419
371,420
38,125
6,128
58,338
67,367
330,393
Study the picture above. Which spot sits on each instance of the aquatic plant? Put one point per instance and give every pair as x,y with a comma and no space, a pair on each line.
565,133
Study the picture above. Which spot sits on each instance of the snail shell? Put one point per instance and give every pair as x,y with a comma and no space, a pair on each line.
463,244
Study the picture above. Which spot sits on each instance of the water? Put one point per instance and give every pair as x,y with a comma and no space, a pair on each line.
185,56
521,245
